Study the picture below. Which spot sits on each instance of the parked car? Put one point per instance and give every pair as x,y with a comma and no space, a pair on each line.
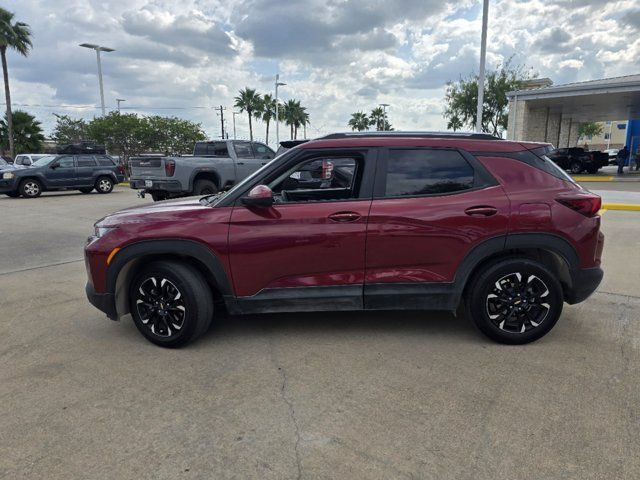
577,160
27,159
5,166
612,153
214,166
63,172
360,222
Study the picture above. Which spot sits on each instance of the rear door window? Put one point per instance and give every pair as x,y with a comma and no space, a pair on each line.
243,150
86,161
414,172
105,161
262,151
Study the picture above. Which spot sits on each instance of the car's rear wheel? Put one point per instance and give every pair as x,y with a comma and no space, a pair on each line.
576,167
592,170
515,300
104,185
30,188
86,190
204,187
171,303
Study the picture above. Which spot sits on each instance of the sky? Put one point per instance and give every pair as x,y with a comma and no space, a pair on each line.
185,57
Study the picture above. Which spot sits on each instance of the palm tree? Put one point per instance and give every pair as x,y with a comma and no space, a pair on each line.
248,101
304,120
454,123
359,121
377,118
290,115
267,112
27,132
16,36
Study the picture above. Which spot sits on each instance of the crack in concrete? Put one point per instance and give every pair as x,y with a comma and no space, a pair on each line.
289,403
38,267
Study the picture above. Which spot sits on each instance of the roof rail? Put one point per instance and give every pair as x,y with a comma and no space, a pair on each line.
394,133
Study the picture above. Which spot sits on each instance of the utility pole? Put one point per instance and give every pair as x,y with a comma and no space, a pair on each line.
234,123
222,109
483,57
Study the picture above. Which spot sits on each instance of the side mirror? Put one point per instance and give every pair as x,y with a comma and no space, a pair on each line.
259,196
54,166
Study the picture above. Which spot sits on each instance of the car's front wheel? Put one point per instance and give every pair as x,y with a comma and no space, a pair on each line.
30,188
104,185
576,167
171,303
515,300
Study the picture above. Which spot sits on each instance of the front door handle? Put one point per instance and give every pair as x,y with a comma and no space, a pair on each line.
344,216
481,211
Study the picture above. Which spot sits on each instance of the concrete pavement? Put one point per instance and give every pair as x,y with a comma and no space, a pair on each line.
311,396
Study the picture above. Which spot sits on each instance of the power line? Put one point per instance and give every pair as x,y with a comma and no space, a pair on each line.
94,107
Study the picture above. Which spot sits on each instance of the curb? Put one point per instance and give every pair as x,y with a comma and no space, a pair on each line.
629,207
607,178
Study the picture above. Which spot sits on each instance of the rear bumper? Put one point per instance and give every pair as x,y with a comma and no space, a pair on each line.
102,301
161,185
585,282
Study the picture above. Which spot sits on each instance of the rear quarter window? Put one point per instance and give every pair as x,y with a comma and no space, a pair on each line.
105,161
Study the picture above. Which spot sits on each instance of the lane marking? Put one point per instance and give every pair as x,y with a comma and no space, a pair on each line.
629,207
579,178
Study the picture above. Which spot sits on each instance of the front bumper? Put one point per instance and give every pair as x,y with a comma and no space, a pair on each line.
585,282
158,185
104,302
8,186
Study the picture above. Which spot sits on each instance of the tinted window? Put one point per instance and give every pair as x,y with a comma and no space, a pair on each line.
65,162
243,150
427,172
262,151
86,162
105,161
217,149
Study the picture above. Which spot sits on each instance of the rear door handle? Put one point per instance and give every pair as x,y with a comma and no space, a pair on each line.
344,216
481,211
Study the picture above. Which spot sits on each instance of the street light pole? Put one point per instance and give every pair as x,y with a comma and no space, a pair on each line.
99,49
118,100
278,84
234,123
483,56
384,115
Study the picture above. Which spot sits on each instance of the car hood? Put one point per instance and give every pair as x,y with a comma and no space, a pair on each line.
170,210
5,168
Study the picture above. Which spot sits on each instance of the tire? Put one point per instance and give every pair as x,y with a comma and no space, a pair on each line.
525,318
104,185
205,187
86,190
156,310
576,167
158,197
13,194
30,188
592,170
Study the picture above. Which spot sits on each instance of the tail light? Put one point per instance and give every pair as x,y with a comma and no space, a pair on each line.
121,169
586,204
169,167
327,170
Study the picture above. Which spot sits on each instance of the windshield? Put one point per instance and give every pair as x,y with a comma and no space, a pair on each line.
41,162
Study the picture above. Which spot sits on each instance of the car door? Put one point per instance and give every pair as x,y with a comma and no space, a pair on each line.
62,172
246,162
86,165
430,208
308,248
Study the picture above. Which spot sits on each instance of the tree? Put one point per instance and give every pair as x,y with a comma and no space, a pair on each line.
462,97
454,123
267,112
123,134
171,135
359,121
16,36
377,117
69,130
589,129
248,101
27,133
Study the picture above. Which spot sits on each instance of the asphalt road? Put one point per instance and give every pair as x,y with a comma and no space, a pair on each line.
315,396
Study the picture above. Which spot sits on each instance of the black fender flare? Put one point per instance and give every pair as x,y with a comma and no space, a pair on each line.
503,243
179,247
195,173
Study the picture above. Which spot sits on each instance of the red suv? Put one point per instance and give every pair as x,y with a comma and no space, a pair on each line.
388,221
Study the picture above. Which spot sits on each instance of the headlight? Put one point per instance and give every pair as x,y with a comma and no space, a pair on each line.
102,231
8,175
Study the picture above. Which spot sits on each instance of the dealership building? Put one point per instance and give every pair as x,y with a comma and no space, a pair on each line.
544,112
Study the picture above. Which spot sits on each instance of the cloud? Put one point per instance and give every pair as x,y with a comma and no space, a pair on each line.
555,40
